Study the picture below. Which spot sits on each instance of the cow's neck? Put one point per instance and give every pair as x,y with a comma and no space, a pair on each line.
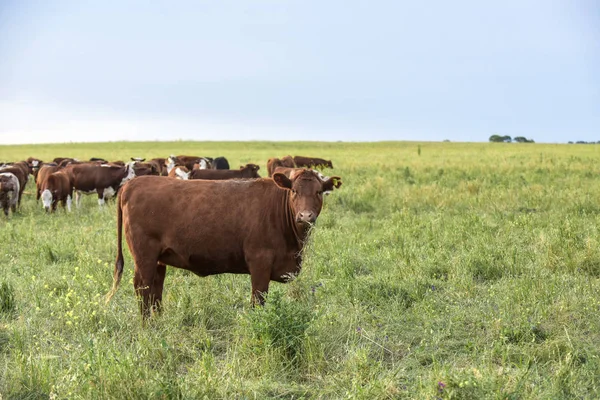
300,230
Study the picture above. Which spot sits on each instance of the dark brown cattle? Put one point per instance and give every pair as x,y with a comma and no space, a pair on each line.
59,160
9,192
273,163
160,165
311,162
43,173
105,180
142,168
248,171
57,187
257,227
21,171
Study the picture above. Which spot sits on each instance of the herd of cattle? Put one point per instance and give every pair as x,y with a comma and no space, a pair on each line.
57,180
239,223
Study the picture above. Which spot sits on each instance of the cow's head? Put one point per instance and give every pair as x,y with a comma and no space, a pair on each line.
329,164
306,190
129,172
34,165
170,162
47,199
250,171
182,172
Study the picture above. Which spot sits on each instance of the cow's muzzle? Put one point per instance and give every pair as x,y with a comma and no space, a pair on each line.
306,217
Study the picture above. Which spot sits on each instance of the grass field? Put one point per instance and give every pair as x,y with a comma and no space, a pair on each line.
437,270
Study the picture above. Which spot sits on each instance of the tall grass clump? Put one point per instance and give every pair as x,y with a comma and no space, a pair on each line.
280,325
7,298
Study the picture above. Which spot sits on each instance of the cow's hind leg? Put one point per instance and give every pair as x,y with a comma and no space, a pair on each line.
143,282
157,287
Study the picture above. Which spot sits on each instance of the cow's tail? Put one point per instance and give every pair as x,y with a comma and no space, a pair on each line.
119,262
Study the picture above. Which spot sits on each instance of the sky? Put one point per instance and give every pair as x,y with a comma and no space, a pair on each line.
80,70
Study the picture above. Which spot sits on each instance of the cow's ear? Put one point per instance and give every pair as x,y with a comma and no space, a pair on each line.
282,181
331,183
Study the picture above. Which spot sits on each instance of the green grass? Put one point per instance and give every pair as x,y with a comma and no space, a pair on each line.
437,270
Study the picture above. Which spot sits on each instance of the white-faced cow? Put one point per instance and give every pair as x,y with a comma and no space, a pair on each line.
257,227
44,171
180,172
9,192
56,187
187,161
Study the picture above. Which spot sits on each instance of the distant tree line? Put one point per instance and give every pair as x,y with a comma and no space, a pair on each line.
584,142
508,139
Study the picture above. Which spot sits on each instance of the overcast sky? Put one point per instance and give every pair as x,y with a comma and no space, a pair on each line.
299,70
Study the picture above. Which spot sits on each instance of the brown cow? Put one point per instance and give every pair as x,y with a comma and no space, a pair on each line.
161,166
273,163
143,168
59,160
288,161
34,165
9,192
57,187
248,171
42,174
187,161
311,162
105,180
257,227
179,172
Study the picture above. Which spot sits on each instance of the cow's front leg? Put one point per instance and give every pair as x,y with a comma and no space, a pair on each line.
78,198
260,265
13,204
100,197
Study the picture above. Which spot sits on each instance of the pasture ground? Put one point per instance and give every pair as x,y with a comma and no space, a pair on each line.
437,270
